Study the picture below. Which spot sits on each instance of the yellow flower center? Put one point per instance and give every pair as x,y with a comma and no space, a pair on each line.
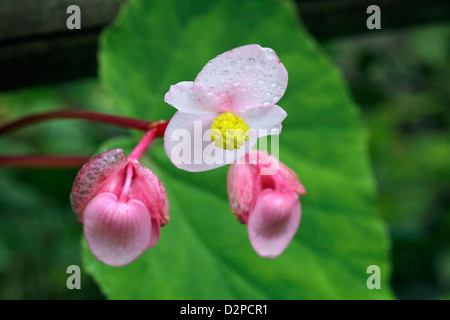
229,131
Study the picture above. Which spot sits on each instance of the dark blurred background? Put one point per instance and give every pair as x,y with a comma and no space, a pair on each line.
400,79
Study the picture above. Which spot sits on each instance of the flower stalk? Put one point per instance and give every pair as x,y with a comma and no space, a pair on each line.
126,122
153,130
43,161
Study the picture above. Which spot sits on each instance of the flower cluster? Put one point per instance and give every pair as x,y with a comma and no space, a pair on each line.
122,205
220,116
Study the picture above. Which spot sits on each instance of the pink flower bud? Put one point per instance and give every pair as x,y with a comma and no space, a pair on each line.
263,195
116,232
122,206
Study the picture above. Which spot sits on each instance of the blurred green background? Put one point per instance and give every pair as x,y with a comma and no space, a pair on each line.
398,78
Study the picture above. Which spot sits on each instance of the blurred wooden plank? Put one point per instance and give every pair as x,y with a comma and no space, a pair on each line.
36,48
327,19
26,19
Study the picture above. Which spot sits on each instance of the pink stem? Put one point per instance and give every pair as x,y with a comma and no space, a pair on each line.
80,114
140,148
127,184
40,161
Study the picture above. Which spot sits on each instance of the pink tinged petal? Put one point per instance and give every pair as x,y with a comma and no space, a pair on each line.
273,222
245,77
148,189
280,176
289,179
165,210
191,98
104,173
188,145
268,165
242,185
155,232
265,120
116,232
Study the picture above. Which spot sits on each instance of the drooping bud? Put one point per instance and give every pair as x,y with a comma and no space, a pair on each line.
122,205
116,232
263,195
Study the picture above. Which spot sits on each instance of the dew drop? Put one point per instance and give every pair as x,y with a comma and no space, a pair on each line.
250,60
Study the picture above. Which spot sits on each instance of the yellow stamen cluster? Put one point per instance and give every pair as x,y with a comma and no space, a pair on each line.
229,131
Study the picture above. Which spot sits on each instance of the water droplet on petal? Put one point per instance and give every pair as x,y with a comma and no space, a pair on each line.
250,60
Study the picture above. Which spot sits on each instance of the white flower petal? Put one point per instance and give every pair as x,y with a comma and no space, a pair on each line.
266,120
191,98
187,144
245,77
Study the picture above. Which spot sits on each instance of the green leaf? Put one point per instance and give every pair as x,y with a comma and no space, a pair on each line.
204,253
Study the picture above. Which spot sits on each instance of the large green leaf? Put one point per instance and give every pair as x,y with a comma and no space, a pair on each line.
204,253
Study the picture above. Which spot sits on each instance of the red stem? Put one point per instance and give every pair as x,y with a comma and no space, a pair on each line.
153,130
39,161
160,127
79,114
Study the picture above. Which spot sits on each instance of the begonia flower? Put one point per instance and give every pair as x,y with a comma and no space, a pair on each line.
122,206
222,113
263,194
